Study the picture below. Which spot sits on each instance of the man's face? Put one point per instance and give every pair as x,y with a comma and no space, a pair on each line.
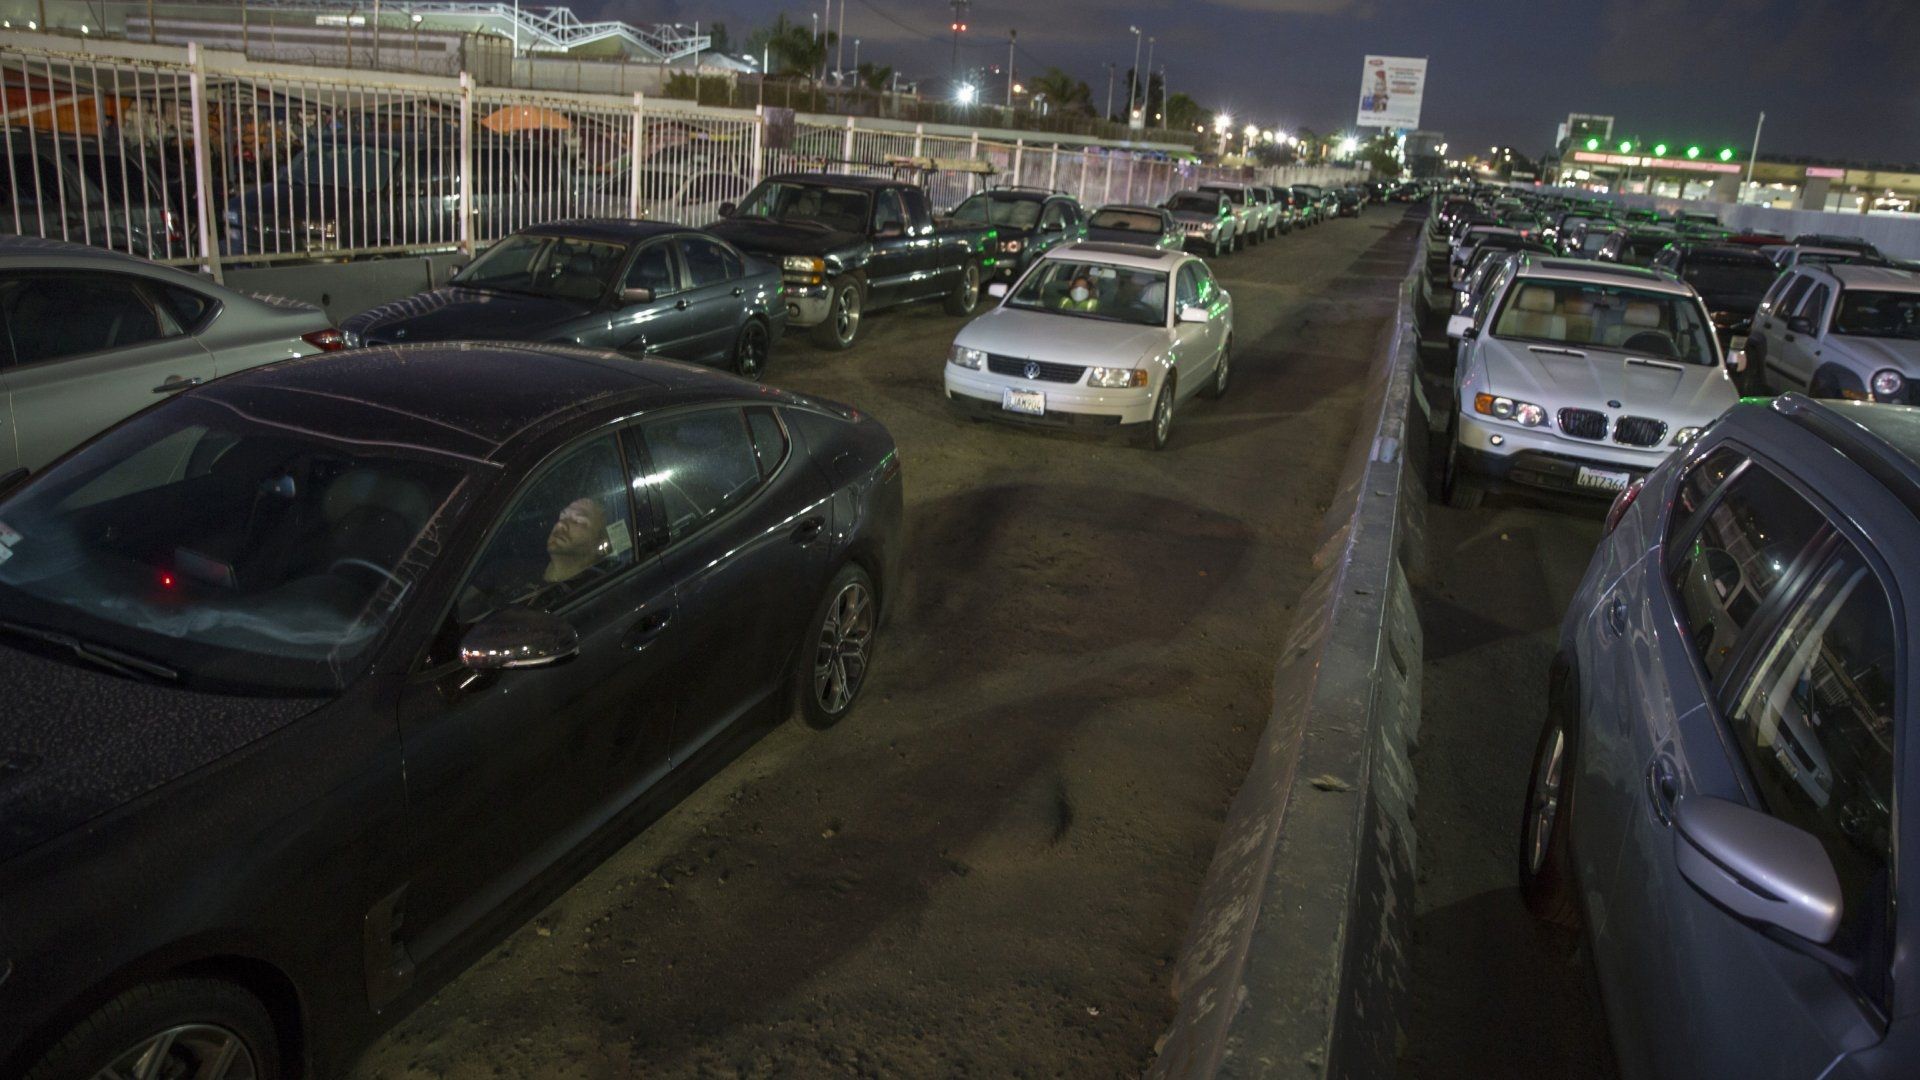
578,532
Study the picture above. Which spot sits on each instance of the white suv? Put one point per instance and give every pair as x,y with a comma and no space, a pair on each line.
1839,331
1578,377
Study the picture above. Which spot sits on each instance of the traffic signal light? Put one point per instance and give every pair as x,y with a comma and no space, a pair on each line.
1693,151
1626,146
1660,150
1727,154
1593,144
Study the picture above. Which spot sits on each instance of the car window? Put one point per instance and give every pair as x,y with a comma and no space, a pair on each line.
568,529
1055,216
769,439
887,213
1203,277
1744,546
706,262
1872,313
699,465
1663,325
653,269
1814,307
1789,301
1815,724
915,200
54,314
1698,484
187,307
1188,287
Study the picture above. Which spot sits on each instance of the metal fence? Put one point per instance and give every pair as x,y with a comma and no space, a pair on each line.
209,159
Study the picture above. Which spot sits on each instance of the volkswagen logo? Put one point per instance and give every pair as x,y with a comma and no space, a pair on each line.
1033,370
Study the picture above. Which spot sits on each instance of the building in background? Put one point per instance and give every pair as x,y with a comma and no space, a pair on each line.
1426,154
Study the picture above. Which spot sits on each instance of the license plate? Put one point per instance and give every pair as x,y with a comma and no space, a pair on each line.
1603,481
1025,402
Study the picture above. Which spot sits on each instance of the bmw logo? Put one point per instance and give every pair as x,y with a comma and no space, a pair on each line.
1033,370
1613,404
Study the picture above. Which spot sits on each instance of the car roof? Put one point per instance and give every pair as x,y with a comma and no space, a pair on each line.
1022,194
618,230
1716,250
1133,255
1882,439
467,399
1140,208
1868,276
865,183
1594,273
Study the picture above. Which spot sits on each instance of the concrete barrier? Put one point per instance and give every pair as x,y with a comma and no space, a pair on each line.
1296,962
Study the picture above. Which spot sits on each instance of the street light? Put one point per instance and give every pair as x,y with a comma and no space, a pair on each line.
965,94
1252,132
1348,145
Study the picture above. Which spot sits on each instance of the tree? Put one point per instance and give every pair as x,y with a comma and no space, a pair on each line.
1183,113
874,76
718,40
1062,90
791,47
1381,155
1274,154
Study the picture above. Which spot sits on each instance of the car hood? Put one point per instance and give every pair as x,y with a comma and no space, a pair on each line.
1872,354
761,236
1062,339
457,314
78,742
1123,236
1684,395
1200,216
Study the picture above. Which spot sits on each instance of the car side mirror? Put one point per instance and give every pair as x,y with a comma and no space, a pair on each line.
1459,326
1736,360
997,290
727,209
517,638
1757,867
636,296
12,479
1194,313
1800,325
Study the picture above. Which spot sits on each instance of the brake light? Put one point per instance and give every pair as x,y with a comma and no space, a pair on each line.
1621,504
328,340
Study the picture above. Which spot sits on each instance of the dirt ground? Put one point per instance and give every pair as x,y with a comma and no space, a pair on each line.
987,870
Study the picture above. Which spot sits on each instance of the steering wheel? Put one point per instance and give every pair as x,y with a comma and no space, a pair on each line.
364,564
1649,341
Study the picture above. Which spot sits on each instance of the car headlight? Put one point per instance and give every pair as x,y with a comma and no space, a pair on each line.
805,268
961,356
1010,246
1505,408
1685,435
1116,378
1888,383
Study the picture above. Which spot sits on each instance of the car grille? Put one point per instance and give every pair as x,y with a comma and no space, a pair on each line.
1017,368
1583,423
1639,431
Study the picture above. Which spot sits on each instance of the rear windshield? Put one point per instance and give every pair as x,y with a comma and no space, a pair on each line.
1721,275
1878,314
1581,315
1126,220
987,210
1194,204
1230,194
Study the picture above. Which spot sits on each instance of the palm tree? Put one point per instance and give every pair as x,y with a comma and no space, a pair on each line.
875,76
791,47
1063,90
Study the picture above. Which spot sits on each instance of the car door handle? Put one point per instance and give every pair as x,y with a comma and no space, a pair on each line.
679,305
1662,789
809,530
646,629
738,291
1790,337
1617,616
175,384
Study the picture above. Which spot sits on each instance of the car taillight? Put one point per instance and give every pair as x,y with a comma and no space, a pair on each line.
1621,504
328,340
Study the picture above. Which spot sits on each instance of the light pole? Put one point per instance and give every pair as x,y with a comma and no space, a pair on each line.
1109,113
1133,77
1012,36
840,45
856,62
1146,95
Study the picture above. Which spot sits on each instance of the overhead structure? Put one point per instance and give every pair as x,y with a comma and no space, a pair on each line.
535,30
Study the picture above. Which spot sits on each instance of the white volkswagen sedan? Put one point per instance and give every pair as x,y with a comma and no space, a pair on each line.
1097,336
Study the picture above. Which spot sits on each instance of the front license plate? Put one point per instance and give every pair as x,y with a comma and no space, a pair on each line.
1603,481
1024,402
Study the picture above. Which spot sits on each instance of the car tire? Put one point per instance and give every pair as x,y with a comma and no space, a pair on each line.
1457,489
842,630
965,295
199,1017
751,350
1546,868
1219,249
1159,425
844,308
1217,386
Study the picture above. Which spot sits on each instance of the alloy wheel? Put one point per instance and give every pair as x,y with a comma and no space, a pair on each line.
1163,416
840,657
846,313
201,1051
1545,806
970,291
751,360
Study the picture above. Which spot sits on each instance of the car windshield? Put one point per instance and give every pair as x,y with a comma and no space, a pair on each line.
1125,221
1827,258
987,210
1232,195
1741,277
1194,204
229,551
347,165
1864,313
560,267
1582,315
841,209
1095,291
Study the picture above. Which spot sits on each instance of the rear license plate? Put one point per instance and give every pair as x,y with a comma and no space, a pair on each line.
1603,481
1024,402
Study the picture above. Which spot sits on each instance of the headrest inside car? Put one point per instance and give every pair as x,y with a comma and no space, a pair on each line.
1642,313
1537,300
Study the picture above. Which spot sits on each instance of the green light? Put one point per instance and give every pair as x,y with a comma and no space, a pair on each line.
1593,144
1626,147
1726,155
1660,150
1693,151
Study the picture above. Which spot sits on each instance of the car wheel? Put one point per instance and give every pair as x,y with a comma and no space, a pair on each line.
180,1027
834,661
966,292
1217,389
1457,489
1160,423
750,351
842,324
1546,877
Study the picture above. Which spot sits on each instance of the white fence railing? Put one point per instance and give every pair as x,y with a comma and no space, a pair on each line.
206,158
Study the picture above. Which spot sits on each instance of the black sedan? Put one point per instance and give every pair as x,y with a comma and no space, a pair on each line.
323,675
638,287
1148,226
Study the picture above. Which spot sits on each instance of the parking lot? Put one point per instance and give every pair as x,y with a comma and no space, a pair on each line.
988,869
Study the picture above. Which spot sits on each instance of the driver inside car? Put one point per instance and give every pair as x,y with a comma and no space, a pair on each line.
1080,296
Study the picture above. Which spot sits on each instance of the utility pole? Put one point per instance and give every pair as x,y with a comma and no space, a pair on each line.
840,45
1109,113
1753,153
1133,77
856,60
1146,98
959,26
1165,97
826,31
1012,36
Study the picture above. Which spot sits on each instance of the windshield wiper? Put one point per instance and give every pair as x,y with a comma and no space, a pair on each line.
1556,350
100,655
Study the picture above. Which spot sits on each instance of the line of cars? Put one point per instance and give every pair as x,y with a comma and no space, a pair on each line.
323,672
1716,797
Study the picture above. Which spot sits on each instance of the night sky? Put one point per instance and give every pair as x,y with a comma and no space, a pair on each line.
1832,75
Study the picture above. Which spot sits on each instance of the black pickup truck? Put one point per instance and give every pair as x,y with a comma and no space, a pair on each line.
848,245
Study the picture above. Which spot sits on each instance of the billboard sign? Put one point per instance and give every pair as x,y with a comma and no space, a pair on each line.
1390,90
